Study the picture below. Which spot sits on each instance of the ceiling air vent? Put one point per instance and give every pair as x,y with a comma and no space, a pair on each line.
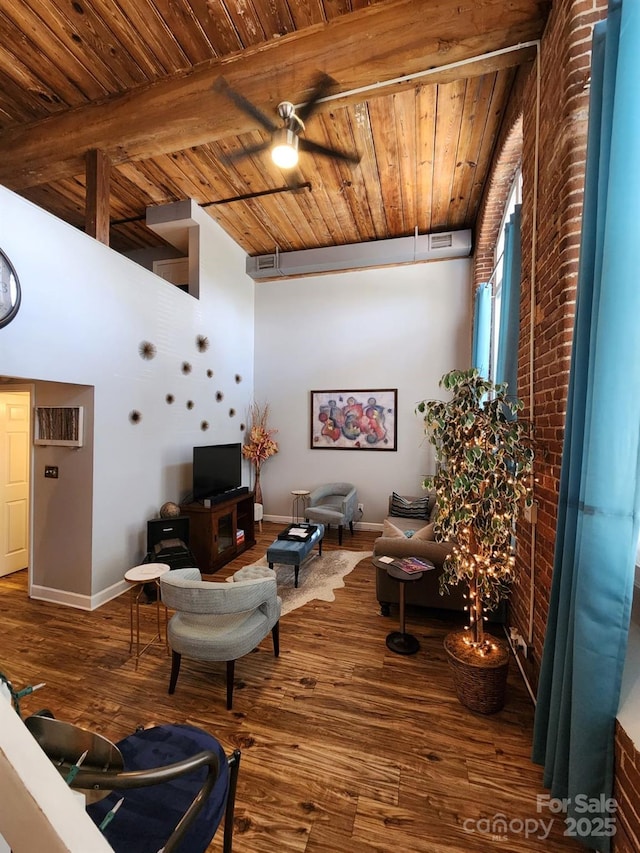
264,266
441,241
266,262
353,256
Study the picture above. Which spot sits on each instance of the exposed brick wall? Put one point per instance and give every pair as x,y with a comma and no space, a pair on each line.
627,794
551,222
501,180
506,162
550,247
552,157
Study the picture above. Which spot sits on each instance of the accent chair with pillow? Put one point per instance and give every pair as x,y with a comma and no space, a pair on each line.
408,532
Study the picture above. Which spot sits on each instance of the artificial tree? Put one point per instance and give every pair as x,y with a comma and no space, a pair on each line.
484,461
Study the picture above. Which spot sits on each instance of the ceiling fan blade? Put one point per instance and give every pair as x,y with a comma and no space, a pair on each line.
315,148
232,156
246,106
294,180
323,86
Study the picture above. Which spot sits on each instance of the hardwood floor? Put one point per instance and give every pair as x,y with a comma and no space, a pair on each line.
346,746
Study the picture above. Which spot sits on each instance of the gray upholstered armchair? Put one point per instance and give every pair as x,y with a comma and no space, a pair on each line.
333,503
218,621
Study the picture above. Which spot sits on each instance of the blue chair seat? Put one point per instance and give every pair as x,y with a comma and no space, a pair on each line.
147,816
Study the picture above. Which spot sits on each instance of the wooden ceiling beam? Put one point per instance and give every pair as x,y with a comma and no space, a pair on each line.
377,44
98,177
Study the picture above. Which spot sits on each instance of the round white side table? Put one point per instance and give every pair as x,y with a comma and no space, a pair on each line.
138,576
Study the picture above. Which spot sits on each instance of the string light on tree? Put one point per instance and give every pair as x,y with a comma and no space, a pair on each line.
484,461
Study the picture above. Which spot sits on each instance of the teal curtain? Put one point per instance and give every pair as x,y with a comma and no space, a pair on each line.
481,348
509,331
599,501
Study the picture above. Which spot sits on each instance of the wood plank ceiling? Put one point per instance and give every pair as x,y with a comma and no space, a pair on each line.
422,87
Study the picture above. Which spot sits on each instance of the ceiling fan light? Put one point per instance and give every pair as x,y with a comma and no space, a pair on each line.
284,151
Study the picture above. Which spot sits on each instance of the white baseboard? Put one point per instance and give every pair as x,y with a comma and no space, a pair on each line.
358,525
74,599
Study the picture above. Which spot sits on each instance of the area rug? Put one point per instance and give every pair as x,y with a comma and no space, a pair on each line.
317,578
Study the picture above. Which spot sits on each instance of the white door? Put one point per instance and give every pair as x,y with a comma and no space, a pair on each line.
15,408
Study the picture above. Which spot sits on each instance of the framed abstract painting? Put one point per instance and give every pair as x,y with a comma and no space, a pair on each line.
354,420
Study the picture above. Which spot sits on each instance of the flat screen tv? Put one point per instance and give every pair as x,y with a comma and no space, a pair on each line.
217,468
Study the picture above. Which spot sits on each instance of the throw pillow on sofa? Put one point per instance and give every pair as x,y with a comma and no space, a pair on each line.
389,529
417,508
425,534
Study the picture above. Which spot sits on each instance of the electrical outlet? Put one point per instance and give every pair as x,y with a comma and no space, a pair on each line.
518,641
361,508
51,471
531,513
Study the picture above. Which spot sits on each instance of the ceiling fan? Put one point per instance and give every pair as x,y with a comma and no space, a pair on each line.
286,141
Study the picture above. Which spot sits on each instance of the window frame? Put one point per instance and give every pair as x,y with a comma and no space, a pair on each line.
514,197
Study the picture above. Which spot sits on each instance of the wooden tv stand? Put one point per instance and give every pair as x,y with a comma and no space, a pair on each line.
213,529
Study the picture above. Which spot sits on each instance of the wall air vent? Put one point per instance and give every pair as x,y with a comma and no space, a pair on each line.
355,256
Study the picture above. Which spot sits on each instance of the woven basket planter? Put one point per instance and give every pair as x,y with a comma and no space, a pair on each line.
480,681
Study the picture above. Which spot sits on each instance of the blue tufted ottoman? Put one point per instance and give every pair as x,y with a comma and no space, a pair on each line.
293,553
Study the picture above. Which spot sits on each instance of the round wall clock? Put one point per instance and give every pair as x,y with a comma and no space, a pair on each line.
9,290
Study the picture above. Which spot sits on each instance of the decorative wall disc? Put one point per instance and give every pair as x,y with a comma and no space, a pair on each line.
232,413
190,404
135,417
204,425
147,350
209,373
170,399
186,367
202,343
219,396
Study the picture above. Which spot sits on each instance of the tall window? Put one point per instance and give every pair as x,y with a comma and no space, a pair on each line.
514,198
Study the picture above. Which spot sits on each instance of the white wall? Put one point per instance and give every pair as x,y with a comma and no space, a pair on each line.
388,328
85,310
